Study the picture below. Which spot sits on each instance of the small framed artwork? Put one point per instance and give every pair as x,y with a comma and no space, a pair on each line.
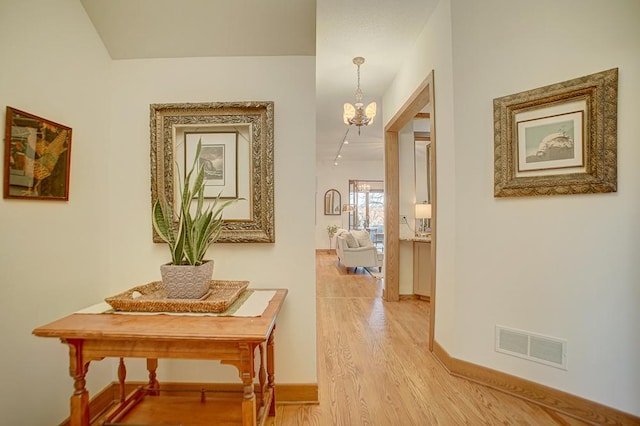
218,157
37,157
551,142
558,139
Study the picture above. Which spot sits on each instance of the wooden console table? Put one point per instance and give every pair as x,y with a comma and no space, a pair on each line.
232,340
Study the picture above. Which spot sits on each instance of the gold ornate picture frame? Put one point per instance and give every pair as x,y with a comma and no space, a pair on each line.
558,139
251,219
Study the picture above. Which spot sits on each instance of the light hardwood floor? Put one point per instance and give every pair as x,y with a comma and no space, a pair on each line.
374,367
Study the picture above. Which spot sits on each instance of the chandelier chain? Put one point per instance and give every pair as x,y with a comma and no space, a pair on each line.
358,91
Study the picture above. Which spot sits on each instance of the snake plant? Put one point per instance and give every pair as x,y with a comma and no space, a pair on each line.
195,229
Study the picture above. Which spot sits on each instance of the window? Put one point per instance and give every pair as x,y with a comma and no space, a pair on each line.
367,199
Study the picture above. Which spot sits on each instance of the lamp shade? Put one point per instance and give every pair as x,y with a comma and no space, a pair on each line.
347,208
423,211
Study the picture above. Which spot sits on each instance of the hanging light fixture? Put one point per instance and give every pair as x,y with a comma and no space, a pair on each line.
356,114
364,187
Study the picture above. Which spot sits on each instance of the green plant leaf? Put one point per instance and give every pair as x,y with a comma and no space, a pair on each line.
178,252
160,224
195,232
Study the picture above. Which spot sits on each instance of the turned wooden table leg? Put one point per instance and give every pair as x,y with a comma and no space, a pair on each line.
122,376
271,371
262,375
245,367
80,398
152,366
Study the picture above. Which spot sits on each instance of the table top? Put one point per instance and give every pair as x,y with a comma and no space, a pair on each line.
166,327
417,239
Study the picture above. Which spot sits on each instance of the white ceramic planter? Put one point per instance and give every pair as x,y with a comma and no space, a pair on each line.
186,281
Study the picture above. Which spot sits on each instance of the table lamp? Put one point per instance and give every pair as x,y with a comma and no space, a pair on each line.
423,211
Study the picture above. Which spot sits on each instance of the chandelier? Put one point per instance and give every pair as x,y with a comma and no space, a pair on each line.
356,114
364,187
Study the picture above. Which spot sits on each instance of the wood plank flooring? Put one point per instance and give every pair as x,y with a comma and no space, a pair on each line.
374,367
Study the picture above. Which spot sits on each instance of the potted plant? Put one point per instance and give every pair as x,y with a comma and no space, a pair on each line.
188,275
331,230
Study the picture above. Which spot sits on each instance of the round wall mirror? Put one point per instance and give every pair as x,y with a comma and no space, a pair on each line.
332,202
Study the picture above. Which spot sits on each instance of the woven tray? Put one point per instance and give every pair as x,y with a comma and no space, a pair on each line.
152,297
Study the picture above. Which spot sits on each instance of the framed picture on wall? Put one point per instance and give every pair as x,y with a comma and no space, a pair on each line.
238,139
37,157
550,142
557,139
218,157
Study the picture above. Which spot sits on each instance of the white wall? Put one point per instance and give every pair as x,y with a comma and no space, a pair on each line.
58,257
53,255
563,266
290,262
337,177
432,51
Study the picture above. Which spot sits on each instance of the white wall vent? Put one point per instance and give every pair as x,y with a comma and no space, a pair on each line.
532,346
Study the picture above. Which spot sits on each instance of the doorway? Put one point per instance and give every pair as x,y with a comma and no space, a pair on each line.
422,101
367,199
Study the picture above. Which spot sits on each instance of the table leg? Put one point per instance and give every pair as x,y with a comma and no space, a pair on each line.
262,375
152,366
122,376
271,371
245,368
80,398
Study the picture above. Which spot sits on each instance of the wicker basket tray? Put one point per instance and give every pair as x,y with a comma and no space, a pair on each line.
152,297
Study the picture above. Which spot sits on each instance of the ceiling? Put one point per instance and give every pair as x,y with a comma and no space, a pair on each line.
335,31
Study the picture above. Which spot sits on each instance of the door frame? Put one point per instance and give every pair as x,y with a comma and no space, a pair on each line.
423,96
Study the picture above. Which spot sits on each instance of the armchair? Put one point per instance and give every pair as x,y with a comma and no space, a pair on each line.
356,249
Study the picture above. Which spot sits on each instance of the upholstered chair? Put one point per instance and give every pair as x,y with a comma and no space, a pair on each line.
355,249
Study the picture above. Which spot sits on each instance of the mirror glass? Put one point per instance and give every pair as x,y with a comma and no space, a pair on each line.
422,166
422,156
332,202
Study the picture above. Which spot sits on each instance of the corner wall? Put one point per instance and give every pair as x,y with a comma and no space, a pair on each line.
432,51
53,253
58,257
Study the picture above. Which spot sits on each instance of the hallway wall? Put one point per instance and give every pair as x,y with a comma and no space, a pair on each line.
561,266
288,263
53,253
